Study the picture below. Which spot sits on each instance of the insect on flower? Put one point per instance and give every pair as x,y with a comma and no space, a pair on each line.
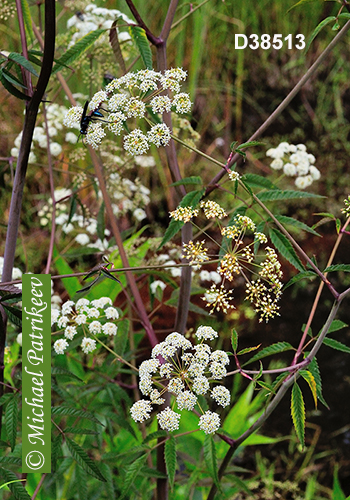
85,121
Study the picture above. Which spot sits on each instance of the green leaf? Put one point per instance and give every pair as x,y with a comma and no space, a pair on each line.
248,349
14,314
27,19
270,350
170,459
194,179
121,339
78,48
299,277
314,369
83,459
299,3
73,412
11,421
55,370
154,435
338,267
139,36
132,471
16,488
210,459
250,144
234,340
22,61
289,194
310,379
173,228
71,284
298,412
11,88
289,221
285,248
258,181
79,430
316,31
335,344
337,493
12,79
336,325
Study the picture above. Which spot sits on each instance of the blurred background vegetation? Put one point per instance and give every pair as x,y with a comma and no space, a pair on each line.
233,92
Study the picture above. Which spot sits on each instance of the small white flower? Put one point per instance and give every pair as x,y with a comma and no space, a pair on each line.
200,385
221,395
19,339
69,332
81,303
95,327
168,420
62,322
206,333
109,329
55,148
93,312
67,307
54,316
80,319
60,346
290,169
139,214
315,173
111,313
277,164
88,345
141,410
209,422
186,400
83,239
157,284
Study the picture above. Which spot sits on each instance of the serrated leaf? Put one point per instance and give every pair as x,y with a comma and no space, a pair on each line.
316,31
234,340
14,485
289,194
289,221
335,344
336,325
150,472
154,435
73,412
78,48
173,228
55,370
139,36
248,349
11,415
170,459
22,61
11,88
266,386
210,459
83,459
132,471
285,248
338,267
298,412
299,277
12,79
258,181
79,430
310,379
270,350
81,481
14,314
250,144
194,179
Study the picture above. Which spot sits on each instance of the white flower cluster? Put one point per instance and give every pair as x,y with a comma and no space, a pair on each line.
94,18
55,116
93,317
186,373
119,102
295,162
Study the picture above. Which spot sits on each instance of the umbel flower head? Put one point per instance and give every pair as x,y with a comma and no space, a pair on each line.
125,101
187,372
295,162
83,316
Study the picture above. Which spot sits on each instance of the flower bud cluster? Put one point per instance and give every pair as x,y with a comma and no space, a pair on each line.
129,98
295,162
97,316
186,373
